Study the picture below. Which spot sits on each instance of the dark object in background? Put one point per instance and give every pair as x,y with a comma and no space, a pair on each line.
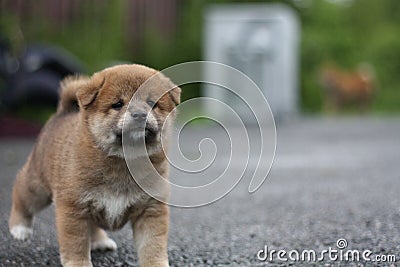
33,77
17,128
30,83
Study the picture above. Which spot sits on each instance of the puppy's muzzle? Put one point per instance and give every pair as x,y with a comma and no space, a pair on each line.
141,124
139,117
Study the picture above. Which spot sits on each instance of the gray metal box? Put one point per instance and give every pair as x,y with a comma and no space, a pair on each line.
261,40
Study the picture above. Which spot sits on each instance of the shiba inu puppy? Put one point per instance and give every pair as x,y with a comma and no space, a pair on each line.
78,163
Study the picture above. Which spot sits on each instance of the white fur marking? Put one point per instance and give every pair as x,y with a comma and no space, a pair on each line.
114,206
104,244
114,203
21,232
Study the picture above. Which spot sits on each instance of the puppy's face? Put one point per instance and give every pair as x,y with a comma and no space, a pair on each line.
112,102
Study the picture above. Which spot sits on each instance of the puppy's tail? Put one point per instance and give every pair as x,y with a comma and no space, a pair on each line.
69,86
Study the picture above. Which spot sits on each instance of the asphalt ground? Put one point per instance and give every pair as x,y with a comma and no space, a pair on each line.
333,178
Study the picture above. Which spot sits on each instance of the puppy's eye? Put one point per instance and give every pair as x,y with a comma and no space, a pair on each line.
151,103
118,105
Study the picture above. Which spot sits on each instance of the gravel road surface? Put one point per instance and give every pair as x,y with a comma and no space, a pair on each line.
333,178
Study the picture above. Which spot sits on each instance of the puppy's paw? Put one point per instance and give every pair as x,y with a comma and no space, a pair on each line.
21,232
104,244
76,264
163,263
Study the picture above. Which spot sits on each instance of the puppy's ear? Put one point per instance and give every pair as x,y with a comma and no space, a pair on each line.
69,87
87,95
175,94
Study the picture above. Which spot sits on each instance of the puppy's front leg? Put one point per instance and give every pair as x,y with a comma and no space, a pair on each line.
73,237
150,232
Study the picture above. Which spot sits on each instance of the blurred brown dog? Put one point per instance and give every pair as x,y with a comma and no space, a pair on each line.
344,87
78,163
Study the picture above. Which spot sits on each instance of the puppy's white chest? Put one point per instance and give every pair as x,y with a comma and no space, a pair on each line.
114,206
110,208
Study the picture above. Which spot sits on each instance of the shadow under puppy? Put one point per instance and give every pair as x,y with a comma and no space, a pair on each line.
78,162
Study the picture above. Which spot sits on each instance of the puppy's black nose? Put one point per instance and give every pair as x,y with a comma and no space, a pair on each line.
139,116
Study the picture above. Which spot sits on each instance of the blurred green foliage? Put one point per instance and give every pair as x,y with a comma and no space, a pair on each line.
348,34
343,32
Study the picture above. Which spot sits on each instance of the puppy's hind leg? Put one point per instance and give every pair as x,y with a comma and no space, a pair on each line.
28,198
100,240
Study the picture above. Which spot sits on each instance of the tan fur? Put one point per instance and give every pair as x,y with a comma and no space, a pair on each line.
78,164
347,87
69,87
